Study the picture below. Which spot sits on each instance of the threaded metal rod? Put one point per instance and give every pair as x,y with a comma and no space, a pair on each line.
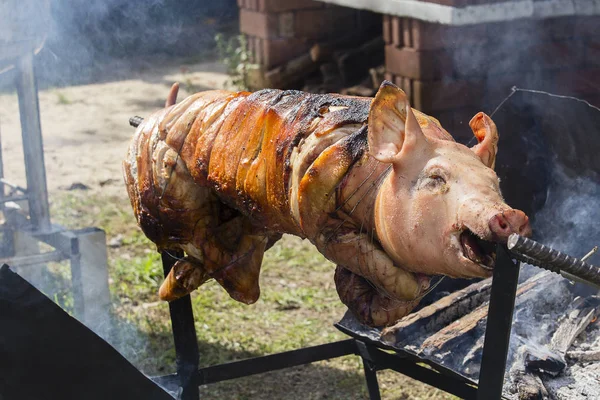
135,121
553,260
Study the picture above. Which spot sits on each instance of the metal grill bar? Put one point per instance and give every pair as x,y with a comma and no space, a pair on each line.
273,362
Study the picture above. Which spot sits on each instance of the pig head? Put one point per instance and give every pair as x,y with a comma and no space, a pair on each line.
440,209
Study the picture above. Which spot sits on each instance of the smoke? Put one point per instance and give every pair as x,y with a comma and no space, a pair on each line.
89,41
570,219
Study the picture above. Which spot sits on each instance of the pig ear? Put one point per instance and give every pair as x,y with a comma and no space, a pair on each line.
392,124
486,133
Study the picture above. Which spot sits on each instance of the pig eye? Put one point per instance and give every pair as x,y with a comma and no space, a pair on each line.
437,179
434,180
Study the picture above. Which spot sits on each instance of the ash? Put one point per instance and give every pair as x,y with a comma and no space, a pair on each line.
581,379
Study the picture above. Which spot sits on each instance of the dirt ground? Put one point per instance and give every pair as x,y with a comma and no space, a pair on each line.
85,128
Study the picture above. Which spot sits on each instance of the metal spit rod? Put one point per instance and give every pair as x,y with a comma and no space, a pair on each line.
542,256
530,251
135,121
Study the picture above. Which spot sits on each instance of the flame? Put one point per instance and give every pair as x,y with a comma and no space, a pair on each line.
594,319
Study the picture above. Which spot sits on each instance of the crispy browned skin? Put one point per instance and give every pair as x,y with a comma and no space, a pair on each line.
222,175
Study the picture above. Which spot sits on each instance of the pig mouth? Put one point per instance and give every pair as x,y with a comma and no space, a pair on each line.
478,250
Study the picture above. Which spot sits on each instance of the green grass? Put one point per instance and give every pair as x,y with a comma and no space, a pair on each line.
297,308
61,98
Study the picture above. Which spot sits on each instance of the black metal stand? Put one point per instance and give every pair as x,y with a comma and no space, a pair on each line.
499,323
371,351
184,334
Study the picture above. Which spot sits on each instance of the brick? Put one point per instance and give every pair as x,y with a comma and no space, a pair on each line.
429,36
429,96
398,81
252,5
417,64
387,29
262,25
323,23
287,5
406,32
397,32
406,85
241,4
273,52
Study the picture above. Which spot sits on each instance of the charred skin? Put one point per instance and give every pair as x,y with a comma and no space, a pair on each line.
223,175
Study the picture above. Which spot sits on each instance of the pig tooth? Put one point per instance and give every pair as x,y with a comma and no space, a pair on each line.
489,262
486,267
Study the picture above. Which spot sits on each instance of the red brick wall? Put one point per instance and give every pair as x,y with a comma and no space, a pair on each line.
279,30
453,72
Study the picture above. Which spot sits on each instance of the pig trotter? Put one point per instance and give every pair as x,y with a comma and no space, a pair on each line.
185,277
365,301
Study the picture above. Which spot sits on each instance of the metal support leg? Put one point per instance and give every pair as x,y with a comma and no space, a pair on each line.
370,368
184,334
89,267
35,171
497,330
371,378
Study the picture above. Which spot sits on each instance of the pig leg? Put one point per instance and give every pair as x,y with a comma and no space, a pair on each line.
185,277
364,300
358,253
238,272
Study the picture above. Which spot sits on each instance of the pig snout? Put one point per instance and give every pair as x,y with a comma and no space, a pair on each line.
508,222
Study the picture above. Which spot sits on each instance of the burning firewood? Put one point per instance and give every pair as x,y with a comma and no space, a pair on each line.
582,312
582,356
473,324
437,315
